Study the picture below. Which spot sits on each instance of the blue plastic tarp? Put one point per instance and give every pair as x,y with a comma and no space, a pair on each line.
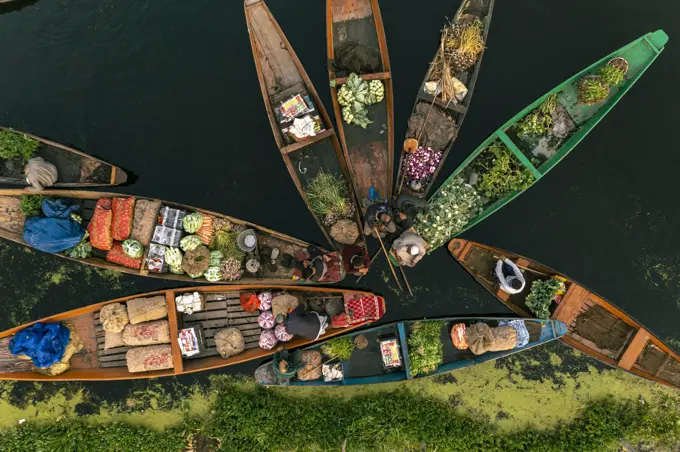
56,231
44,343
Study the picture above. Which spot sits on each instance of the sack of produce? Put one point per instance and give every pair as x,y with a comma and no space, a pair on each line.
311,359
172,218
145,309
114,317
197,260
75,344
123,212
164,235
266,320
282,333
229,342
147,333
100,225
118,256
206,231
144,221
459,336
189,303
113,340
482,338
345,231
155,259
40,174
192,222
144,359
284,304
249,301
268,339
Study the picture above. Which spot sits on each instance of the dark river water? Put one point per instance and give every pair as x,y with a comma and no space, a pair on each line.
168,91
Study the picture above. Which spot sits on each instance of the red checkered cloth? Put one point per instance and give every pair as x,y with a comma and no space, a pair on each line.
358,310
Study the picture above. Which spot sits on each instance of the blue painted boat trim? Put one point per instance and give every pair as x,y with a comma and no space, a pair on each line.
404,349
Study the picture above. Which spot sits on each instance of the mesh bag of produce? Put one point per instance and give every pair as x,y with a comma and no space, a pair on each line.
282,333
146,309
113,340
266,320
147,333
100,225
123,212
268,340
144,359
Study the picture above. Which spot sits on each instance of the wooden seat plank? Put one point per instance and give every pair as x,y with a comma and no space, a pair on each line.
634,349
571,304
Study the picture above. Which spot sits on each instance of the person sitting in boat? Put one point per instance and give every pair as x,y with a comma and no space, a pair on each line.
355,260
406,209
309,323
409,249
510,276
379,216
314,265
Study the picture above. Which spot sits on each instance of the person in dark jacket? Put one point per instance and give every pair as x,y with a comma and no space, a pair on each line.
308,324
355,259
379,216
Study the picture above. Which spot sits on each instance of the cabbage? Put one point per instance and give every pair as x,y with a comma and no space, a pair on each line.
213,274
133,248
190,242
173,257
192,222
196,275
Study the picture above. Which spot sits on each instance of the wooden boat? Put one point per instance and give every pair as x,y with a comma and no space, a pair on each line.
366,366
281,77
222,310
12,226
596,327
468,12
76,169
548,151
369,151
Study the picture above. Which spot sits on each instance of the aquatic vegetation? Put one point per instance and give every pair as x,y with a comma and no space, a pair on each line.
611,75
540,120
502,173
592,90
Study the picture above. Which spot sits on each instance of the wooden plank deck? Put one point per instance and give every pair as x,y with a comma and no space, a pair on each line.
571,304
634,349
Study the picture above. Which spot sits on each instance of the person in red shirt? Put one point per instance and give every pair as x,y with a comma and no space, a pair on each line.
355,259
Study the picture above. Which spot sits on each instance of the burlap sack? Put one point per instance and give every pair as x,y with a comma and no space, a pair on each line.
482,338
345,231
75,344
146,309
312,362
114,317
113,340
40,174
144,220
283,304
144,359
229,342
147,333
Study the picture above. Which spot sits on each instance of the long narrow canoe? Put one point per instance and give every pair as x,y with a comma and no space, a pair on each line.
596,326
12,227
76,169
369,151
366,366
539,156
468,12
222,310
282,76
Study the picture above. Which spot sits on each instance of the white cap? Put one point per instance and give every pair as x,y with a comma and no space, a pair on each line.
414,250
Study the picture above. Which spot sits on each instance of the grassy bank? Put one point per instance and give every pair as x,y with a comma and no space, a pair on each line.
243,417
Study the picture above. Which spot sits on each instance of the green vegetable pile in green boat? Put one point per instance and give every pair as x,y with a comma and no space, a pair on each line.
530,144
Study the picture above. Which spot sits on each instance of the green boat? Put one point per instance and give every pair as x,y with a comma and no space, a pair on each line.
534,145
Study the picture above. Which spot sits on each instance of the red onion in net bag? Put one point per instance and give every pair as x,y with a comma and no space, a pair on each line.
266,320
281,333
265,300
268,339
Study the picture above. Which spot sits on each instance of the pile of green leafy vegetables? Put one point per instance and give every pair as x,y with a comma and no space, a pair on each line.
426,351
16,145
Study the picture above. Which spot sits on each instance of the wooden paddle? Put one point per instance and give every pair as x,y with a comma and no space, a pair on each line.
377,234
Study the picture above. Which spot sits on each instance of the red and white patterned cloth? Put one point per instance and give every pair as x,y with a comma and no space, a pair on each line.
358,310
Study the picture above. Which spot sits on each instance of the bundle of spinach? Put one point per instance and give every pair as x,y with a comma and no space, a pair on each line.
31,205
425,347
